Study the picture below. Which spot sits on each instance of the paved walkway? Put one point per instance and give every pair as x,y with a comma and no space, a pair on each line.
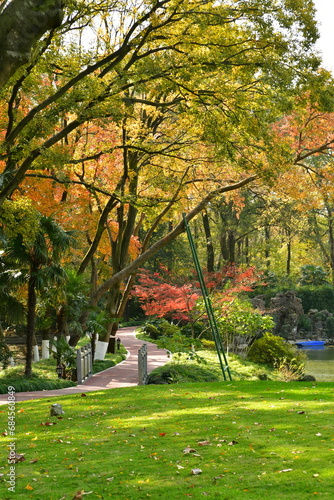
124,374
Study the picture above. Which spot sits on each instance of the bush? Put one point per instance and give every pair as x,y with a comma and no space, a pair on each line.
208,344
313,275
330,326
180,373
274,351
159,328
316,297
304,323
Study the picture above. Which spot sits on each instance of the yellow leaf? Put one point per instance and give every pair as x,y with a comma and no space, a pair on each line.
28,487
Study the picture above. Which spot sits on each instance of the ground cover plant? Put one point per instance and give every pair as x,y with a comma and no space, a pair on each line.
44,374
236,440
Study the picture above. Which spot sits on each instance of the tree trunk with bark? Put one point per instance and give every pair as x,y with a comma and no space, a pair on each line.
22,24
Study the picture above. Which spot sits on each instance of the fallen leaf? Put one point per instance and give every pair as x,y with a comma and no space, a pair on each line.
189,450
232,443
300,412
272,429
195,472
78,495
162,434
285,470
83,395
33,461
203,443
28,487
17,457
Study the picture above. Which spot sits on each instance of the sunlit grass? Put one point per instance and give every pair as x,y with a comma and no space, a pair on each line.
252,440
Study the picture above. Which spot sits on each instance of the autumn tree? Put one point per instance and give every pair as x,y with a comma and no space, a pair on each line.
189,89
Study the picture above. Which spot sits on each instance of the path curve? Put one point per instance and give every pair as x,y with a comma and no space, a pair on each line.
125,374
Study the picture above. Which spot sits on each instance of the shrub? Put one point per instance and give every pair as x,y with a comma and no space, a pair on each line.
159,328
5,354
304,323
274,351
180,373
330,326
313,275
316,297
208,344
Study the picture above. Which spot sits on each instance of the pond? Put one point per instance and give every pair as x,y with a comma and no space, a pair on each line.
321,354
320,363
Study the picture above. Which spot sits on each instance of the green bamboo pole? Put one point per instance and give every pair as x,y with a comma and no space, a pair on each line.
212,319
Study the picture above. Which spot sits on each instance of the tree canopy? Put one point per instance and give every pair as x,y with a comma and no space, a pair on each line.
116,117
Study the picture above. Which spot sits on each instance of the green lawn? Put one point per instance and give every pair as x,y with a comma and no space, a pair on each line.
250,440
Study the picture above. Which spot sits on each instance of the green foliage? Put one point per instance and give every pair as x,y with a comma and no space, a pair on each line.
110,360
65,355
159,328
173,373
199,329
305,323
274,351
330,327
242,319
316,297
43,377
313,275
208,344
5,353
179,344
19,217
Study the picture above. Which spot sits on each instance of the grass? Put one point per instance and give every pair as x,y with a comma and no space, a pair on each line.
45,376
251,440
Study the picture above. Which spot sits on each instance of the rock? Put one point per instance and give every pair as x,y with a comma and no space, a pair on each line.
56,410
307,378
287,309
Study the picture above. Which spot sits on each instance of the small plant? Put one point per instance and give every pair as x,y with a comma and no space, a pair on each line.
274,351
180,345
290,370
313,275
64,355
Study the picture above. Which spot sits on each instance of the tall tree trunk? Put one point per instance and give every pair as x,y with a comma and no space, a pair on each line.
246,251
22,24
267,246
330,237
231,246
31,315
288,258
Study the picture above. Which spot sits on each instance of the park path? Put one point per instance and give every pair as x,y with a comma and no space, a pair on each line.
125,374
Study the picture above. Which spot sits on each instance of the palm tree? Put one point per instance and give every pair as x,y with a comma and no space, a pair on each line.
40,264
